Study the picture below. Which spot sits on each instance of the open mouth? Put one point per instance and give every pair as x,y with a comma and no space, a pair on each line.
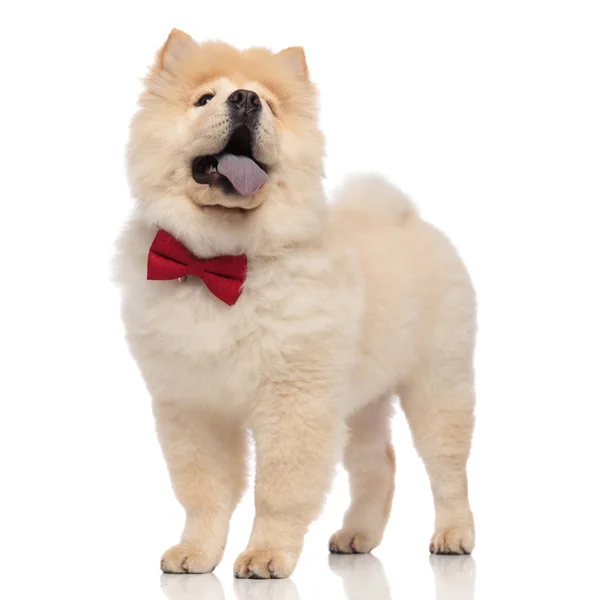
234,169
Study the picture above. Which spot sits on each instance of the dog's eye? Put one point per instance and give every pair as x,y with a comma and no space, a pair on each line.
203,100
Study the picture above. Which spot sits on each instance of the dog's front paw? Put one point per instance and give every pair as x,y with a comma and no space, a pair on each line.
352,542
453,540
265,564
189,558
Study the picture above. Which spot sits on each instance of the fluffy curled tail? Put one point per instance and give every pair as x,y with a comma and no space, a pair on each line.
374,195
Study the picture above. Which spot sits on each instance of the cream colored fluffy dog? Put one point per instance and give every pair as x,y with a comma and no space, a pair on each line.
340,308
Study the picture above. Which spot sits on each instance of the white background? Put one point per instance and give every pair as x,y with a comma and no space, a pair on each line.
487,114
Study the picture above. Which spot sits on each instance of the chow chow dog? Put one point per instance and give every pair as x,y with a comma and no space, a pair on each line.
252,304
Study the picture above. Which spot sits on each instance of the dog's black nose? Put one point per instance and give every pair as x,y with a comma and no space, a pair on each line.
244,101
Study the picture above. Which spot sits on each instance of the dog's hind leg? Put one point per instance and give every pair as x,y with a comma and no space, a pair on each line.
370,462
439,409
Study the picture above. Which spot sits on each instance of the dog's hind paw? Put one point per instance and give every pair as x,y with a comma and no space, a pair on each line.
453,540
352,542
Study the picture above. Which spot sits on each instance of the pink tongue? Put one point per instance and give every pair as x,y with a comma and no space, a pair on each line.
245,175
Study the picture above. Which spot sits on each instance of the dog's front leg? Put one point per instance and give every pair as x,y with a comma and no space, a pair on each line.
205,456
297,432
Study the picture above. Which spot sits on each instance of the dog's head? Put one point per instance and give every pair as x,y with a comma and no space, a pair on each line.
224,140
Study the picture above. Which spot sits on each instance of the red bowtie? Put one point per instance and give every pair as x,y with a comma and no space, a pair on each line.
223,275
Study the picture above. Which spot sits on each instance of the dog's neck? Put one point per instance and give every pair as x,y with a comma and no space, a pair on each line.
280,223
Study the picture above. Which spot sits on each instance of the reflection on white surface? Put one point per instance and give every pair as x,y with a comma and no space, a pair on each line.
269,589
188,587
454,577
363,576
209,587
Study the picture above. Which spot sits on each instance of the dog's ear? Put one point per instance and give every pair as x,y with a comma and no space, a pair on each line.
177,47
295,60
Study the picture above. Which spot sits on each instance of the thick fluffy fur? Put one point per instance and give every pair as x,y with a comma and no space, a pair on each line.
345,306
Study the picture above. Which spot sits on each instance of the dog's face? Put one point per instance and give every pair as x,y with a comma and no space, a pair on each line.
222,131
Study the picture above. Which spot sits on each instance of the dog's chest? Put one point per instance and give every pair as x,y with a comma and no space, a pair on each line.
193,348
